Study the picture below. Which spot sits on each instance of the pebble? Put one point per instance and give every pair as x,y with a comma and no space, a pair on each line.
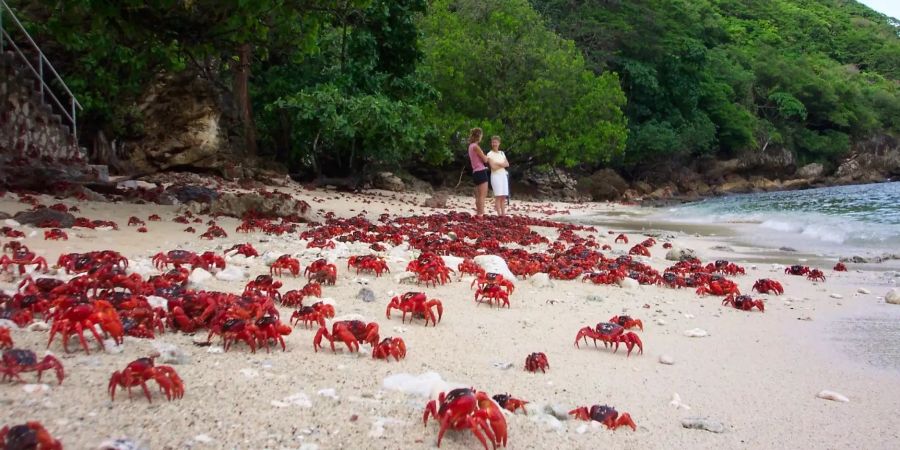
702,423
541,280
329,392
666,359
32,388
582,428
405,277
231,273
170,353
688,316
676,402
121,444
157,302
203,438
628,283
299,399
893,296
215,349
595,298
558,411
502,365
863,291
831,395
199,276
660,321
836,295
696,332
366,295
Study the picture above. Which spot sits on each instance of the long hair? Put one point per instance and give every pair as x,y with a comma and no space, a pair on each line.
475,135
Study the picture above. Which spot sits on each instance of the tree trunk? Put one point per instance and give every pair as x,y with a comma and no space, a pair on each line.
242,97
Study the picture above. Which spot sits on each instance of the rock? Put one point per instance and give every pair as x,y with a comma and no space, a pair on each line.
558,410
787,249
328,392
389,182
122,444
595,298
199,276
702,423
676,402
863,291
893,296
503,365
696,333
452,261
495,264
813,170
734,184
231,273
438,200
184,124
190,193
831,395
4,215
553,183
629,283
366,295
666,359
41,215
541,280
660,321
680,254
170,353
238,204
604,184
837,296
406,278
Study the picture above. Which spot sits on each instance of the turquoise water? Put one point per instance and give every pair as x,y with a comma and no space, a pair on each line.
861,217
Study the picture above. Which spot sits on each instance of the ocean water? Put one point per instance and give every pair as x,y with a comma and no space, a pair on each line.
831,221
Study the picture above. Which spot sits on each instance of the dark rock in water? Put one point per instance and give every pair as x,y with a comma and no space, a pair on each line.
875,259
722,248
42,215
366,295
188,194
788,249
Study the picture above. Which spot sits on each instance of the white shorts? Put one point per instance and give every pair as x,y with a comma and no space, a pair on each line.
500,183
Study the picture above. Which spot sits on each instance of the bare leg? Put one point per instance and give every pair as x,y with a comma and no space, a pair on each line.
498,205
502,203
480,194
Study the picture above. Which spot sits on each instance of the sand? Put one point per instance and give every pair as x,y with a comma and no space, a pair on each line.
756,373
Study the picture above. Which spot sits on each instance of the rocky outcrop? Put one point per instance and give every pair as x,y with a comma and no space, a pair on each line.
554,184
388,181
44,217
873,159
240,204
604,184
185,126
811,171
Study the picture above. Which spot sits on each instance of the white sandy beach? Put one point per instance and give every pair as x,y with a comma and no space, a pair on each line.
756,373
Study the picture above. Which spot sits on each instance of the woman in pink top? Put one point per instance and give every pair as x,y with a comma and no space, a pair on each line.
480,173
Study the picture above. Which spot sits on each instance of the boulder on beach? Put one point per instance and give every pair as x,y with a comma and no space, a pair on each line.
43,215
495,264
680,254
893,296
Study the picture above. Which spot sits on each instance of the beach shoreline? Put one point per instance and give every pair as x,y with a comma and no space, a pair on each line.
756,373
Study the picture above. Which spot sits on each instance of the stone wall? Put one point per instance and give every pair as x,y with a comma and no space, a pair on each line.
32,135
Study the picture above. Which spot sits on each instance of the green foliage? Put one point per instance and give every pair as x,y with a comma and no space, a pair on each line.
498,66
806,74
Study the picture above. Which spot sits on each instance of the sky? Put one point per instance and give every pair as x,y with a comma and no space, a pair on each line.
887,7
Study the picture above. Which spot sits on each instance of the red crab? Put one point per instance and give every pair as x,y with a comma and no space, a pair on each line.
627,322
213,232
466,408
141,370
639,250
265,284
797,270
815,275
469,267
190,230
233,330
840,267
315,313
29,436
23,257
5,339
285,262
416,304
368,263
667,245
510,403
134,221
612,277
607,415
490,294
55,235
766,285
321,243
17,360
494,279
328,276
744,302
177,258
537,361
610,334
246,250
430,269
720,286
389,347
351,332
154,218
142,230
622,238
649,242
270,328
79,317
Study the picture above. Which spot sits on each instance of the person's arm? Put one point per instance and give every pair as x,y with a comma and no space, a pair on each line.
480,153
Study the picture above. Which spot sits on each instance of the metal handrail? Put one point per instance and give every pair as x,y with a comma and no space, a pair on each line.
42,62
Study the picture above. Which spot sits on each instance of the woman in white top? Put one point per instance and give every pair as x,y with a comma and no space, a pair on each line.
499,179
